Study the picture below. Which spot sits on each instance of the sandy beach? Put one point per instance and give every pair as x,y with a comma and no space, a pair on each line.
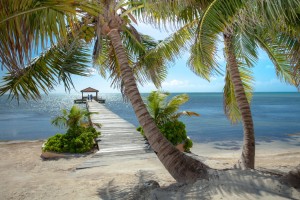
24,175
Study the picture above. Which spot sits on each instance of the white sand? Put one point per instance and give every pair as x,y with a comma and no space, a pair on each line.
275,155
24,175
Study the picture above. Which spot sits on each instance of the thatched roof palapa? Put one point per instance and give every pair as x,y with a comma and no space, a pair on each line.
89,89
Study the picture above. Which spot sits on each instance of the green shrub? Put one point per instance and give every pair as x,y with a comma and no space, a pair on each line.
188,145
76,140
55,143
164,112
174,131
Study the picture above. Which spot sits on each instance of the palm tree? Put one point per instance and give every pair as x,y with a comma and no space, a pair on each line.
75,117
163,111
200,25
111,26
165,114
180,166
240,52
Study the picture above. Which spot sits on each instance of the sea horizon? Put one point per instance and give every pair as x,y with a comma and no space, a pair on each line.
275,116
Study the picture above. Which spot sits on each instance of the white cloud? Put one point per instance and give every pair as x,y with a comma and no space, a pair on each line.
177,83
91,71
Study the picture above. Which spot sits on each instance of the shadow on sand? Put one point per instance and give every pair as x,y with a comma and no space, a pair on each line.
227,184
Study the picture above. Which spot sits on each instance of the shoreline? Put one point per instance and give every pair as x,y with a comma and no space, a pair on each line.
24,175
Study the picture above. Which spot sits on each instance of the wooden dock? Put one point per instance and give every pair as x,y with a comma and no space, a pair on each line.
82,101
119,139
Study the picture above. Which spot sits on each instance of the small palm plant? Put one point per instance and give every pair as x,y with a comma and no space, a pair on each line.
76,117
165,114
79,138
164,111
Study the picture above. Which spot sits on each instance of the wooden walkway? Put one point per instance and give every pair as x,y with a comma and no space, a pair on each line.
119,139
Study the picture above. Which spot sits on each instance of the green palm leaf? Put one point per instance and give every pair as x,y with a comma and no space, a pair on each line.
245,48
230,103
213,21
162,110
27,26
278,54
43,73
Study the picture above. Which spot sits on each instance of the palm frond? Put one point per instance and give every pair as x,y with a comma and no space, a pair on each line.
185,113
45,72
174,103
27,26
213,21
277,11
156,103
278,54
245,48
132,40
161,13
173,46
231,109
292,44
150,65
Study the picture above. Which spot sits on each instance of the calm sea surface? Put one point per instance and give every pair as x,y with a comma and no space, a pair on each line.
276,115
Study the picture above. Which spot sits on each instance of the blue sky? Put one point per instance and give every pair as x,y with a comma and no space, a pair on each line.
181,79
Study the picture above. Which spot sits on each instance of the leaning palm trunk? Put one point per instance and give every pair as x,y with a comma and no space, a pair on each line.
182,167
248,153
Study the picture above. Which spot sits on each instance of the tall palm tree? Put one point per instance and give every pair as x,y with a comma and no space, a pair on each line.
181,167
111,21
241,40
245,25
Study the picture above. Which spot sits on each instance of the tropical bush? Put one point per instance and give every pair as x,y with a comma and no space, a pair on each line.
80,136
165,114
76,140
188,144
174,131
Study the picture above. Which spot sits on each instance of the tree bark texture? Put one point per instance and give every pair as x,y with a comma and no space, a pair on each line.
182,167
247,159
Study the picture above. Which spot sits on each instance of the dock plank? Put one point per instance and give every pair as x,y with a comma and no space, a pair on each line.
119,139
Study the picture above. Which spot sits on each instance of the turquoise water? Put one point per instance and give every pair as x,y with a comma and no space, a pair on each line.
276,115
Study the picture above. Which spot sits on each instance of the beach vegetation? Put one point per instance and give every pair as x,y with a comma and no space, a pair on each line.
165,114
242,39
80,136
50,31
74,118
76,140
243,27
129,59
28,27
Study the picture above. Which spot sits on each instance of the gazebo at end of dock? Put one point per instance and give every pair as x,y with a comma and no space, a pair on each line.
84,98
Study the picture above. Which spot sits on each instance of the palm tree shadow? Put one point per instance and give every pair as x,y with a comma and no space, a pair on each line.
131,191
235,184
228,184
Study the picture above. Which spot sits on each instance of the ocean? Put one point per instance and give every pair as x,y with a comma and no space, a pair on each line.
276,116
